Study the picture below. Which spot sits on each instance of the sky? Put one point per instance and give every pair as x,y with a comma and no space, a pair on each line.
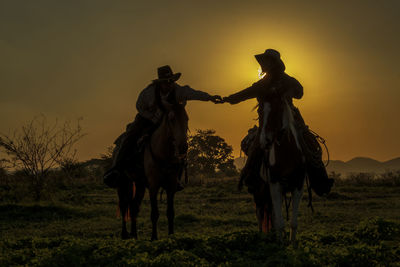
91,59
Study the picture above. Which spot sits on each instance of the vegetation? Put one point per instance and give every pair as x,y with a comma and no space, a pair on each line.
389,178
38,147
209,153
355,225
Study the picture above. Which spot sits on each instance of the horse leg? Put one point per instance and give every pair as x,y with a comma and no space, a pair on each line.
135,207
154,211
296,198
170,211
123,207
278,222
124,232
268,218
260,216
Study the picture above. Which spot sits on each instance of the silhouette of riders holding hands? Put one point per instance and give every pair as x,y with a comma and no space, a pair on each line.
276,81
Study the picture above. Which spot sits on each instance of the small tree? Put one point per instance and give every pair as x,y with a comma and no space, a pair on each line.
39,147
107,158
208,153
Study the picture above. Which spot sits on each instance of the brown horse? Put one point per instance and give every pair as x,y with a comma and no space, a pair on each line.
283,167
163,162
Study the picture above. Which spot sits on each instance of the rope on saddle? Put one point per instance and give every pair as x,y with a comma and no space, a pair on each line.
313,150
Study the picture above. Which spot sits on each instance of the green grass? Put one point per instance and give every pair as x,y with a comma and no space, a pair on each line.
215,226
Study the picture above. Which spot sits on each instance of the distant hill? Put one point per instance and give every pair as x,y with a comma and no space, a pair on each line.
392,164
358,164
362,164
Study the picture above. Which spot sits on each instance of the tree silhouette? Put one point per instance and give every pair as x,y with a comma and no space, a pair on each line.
209,153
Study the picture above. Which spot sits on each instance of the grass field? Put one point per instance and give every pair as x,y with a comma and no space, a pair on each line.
215,226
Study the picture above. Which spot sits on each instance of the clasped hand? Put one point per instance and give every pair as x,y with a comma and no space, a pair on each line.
217,99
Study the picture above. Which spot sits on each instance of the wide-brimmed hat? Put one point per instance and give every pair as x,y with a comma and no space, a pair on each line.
271,55
165,74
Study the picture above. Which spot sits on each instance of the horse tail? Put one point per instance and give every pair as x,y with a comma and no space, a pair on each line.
265,220
267,224
127,216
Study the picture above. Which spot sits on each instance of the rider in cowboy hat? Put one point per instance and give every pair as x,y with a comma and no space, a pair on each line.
149,115
275,81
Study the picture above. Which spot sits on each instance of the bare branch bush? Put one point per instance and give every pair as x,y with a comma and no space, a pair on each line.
39,147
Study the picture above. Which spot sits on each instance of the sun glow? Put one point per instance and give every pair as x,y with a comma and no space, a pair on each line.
261,74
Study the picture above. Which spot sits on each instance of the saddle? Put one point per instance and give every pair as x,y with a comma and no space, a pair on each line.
248,139
320,183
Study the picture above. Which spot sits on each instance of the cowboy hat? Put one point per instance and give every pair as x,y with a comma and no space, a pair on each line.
165,74
271,55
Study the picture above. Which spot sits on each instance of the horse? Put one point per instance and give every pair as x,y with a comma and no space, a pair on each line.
283,165
163,159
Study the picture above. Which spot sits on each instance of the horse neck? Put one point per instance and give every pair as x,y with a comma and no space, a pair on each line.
289,125
159,141
287,148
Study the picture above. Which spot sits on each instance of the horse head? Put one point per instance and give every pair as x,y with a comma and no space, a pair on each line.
272,120
177,120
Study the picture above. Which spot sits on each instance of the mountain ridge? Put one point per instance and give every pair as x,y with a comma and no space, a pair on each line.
354,165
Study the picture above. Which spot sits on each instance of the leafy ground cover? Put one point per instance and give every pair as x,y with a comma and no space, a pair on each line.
215,226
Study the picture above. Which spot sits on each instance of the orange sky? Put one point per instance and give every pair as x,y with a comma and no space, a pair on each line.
68,59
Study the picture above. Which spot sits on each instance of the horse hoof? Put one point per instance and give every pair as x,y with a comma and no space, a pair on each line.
125,236
133,236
